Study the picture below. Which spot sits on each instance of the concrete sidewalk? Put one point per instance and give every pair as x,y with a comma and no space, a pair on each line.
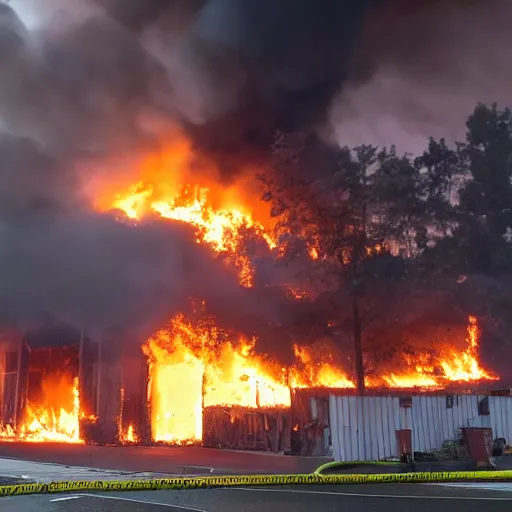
20,470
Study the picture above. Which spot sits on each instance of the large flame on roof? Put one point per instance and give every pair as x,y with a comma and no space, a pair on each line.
219,228
221,216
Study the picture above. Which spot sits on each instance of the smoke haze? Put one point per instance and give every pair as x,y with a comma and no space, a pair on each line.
432,62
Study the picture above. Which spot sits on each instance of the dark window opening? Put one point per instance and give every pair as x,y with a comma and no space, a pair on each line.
483,407
405,401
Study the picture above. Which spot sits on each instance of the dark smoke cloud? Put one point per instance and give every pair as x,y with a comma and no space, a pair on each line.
59,260
73,96
244,69
78,84
382,71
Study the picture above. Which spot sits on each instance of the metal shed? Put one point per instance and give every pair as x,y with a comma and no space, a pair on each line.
372,427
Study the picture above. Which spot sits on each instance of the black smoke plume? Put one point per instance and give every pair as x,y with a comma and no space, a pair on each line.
242,70
376,69
77,91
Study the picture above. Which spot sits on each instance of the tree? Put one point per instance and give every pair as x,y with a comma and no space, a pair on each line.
441,172
335,214
470,198
485,209
400,199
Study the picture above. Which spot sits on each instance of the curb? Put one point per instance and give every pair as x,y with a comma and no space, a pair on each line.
212,482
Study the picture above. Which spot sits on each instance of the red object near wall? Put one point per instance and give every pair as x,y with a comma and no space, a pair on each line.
479,443
404,441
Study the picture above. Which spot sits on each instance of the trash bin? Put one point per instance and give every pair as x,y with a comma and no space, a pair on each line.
479,443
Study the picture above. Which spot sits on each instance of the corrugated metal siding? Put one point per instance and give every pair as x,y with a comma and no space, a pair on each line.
434,423
364,428
500,408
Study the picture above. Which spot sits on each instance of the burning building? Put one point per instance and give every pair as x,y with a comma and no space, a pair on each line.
205,374
191,385
195,380
131,212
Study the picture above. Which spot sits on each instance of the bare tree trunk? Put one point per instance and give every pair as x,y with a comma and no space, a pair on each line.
358,345
361,246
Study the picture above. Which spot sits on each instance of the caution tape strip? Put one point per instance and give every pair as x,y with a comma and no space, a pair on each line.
211,482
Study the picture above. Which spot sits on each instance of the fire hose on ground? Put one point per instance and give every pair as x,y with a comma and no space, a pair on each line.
213,482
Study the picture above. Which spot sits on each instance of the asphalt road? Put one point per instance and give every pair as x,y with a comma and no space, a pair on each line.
396,498
160,459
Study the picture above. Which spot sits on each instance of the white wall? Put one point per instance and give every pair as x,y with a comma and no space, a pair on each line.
434,423
500,408
364,428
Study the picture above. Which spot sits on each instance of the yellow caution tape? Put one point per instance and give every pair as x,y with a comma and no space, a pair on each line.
209,482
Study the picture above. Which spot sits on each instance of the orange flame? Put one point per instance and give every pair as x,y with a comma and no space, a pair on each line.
220,216
313,371
195,366
315,368
418,371
465,366
56,417
128,436
208,368
219,228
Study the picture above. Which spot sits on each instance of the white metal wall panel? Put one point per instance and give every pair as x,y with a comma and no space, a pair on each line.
500,408
434,423
364,428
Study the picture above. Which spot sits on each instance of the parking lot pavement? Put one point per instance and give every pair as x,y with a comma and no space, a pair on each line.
396,498
160,459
